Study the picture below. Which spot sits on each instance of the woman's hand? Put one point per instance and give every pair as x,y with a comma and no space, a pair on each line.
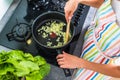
66,60
70,8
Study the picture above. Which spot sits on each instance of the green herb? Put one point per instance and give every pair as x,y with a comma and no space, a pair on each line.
16,64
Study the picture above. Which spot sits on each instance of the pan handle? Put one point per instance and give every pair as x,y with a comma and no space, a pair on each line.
66,71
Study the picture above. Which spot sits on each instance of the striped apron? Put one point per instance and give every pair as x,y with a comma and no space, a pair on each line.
101,42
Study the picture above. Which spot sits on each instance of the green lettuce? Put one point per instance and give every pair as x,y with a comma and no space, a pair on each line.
16,64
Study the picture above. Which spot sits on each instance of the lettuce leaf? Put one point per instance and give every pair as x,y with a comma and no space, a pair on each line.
21,64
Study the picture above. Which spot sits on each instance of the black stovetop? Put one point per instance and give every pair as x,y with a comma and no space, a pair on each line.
17,32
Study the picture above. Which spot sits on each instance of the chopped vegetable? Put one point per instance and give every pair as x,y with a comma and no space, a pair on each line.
54,33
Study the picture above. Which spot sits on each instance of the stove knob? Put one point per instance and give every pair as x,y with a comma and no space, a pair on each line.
36,6
33,8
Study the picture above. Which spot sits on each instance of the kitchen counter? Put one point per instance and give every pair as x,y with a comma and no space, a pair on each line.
6,17
7,14
4,5
56,73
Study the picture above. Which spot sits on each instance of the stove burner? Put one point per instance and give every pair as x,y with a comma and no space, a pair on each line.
20,32
37,7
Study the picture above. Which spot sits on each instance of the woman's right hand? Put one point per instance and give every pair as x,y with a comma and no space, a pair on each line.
70,8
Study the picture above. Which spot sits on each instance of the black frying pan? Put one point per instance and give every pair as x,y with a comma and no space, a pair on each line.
41,21
47,17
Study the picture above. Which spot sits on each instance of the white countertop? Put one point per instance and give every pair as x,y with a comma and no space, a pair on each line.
12,5
4,5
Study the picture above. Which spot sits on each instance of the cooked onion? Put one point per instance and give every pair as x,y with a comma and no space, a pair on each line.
55,27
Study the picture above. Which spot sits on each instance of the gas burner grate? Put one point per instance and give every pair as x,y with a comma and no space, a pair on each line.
20,32
37,7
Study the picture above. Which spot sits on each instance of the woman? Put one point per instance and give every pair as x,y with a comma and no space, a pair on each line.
100,59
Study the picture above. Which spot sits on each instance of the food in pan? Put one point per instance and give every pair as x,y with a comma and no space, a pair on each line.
53,32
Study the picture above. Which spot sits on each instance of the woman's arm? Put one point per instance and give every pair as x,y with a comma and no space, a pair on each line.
93,3
72,5
69,61
107,69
